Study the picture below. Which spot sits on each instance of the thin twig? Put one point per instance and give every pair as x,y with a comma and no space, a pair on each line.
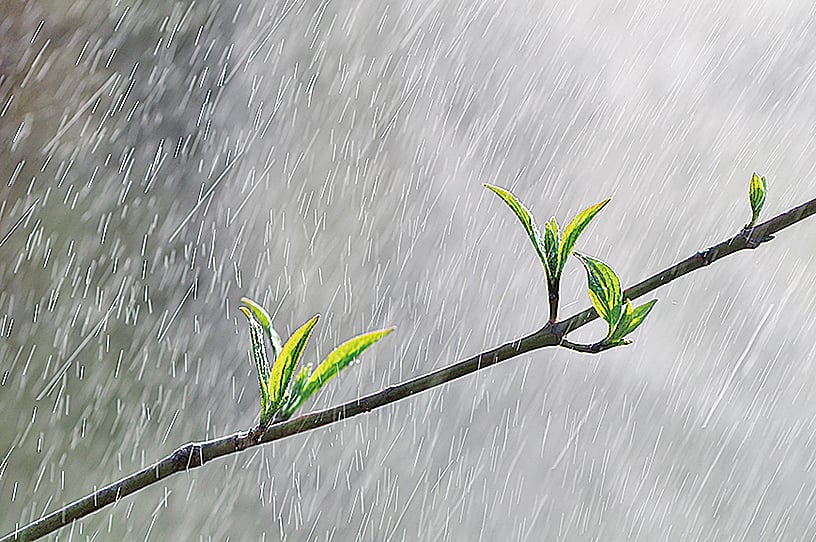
195,454
594,348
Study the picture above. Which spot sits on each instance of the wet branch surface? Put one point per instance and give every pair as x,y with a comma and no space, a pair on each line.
196,454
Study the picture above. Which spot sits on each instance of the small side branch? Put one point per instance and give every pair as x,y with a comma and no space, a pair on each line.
594,348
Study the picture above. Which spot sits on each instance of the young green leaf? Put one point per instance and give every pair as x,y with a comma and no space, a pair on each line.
265,321
287,361
630,319
300,379
339,359
524,217
639,315
604,288
618,331
260,359
756,194
295,396
574,230
551,243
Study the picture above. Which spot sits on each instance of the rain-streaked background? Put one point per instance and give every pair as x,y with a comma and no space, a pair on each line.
162,159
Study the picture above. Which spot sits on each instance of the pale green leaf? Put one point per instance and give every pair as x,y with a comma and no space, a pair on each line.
574,230
287,361
639,315
260,358
300,379
525,217
620,329
551,243
339,359
295,396
604,288
630,319
757,191
265,321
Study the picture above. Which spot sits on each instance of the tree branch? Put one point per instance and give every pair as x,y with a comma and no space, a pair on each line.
196,454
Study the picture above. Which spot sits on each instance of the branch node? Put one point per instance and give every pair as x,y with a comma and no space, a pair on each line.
553,329
751,241
187,457
705,256
256,434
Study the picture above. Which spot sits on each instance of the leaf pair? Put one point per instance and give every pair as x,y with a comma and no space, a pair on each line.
275,375
607,298
553,248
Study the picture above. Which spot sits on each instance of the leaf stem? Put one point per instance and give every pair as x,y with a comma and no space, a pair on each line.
553,297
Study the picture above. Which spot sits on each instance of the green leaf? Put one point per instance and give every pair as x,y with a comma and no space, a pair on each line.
339,359
630,320
756,194
551,243
617,332
295,396
286,363
265,321
604,288
524,217
573,231
639,315
260,359
300,379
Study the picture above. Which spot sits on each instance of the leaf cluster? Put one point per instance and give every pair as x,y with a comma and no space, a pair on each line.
607,298
554,248
279,399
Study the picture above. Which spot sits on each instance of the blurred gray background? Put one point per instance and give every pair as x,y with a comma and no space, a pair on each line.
328,157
